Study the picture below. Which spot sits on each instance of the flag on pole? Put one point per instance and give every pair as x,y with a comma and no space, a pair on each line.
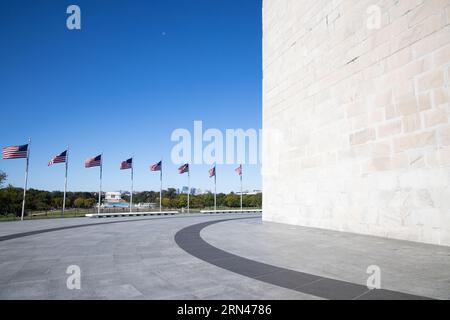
212,172
93,162
127,164
15,152
96,162
19,152
156,166
184,168
60,158
239,172
124,165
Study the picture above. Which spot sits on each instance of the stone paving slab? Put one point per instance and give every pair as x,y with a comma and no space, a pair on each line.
406,267
138,258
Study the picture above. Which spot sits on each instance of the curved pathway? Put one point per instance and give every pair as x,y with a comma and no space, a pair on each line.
189,239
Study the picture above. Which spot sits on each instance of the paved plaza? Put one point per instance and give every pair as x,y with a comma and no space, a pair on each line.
224,256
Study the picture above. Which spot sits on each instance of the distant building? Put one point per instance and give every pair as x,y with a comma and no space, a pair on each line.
114,200
194,191
113,197
200,191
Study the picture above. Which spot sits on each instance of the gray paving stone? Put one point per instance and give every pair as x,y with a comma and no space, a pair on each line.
135,258
125,291
24,290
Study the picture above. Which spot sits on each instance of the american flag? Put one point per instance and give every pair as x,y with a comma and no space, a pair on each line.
60,158
184,168
212,172
156,166
15,152
93,162
127,164
239,170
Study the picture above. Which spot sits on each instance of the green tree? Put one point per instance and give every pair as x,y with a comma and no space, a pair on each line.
197,202
146,197
166,203
89,203
208,199
11,200
79,202
170,193
233,200
57,202
257,200
182,201
2,178
221,200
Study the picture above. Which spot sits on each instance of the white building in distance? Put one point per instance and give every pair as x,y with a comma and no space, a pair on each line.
112,197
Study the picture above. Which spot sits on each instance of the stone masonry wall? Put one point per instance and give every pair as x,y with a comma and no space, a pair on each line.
356,117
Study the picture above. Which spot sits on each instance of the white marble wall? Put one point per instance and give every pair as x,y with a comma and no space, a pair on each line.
356,120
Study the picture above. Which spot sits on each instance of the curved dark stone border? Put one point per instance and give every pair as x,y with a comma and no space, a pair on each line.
189,240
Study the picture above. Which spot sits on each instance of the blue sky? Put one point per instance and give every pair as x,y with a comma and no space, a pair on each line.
136,71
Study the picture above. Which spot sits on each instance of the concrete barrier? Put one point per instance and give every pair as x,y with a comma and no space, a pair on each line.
231,211
130,214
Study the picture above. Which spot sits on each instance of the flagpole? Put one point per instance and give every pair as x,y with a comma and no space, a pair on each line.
131,195
100,193
26,178
215,188
160,187
65,183
189,188
241,186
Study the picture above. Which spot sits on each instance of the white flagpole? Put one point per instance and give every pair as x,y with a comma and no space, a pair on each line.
160,187
241,186
215,188
189,187
131,195
100,193
65,182
26,178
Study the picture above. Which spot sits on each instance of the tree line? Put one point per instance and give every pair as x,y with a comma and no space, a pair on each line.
41,200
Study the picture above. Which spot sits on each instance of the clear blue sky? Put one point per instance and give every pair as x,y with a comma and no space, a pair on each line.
136,71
